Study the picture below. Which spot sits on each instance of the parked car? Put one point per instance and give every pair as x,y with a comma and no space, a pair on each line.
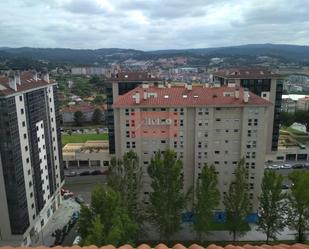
68,195
79,199
274,166
85,173
306,165
298,166
77,240
96,172
286,166
63,191
71,174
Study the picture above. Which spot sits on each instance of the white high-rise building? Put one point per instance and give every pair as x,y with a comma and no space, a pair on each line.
31,173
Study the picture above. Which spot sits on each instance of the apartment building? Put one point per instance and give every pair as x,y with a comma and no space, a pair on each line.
263,83
31,172
288,105
214,125
303,104
119,84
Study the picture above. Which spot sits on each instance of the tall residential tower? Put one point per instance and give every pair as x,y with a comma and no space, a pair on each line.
31,173
263,83
213,125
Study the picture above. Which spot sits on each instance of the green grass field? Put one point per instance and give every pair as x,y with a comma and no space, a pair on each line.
81,138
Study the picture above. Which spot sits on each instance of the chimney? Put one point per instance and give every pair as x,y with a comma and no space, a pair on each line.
145,94
35,75
137,98
145,86
189,87
12,82
46,76
17,78
236,93
246,95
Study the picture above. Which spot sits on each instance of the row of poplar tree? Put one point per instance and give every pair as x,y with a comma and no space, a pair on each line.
117,214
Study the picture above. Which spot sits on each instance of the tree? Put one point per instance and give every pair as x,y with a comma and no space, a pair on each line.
125,177
109,222
236,201
96,233
208,197
84,221
287,119
167,199
95,80
98,100
97,116
272,205
299,203
78,118
302,117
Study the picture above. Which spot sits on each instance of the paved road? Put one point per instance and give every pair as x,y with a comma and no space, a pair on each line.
83,185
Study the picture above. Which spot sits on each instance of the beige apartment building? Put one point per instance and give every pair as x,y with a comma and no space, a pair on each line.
214,125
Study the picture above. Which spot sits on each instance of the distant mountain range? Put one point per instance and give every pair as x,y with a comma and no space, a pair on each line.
102,56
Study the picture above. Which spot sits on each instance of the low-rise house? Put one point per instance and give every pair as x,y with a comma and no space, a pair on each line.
88,154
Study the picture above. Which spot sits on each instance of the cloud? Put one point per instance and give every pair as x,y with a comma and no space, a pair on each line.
152,24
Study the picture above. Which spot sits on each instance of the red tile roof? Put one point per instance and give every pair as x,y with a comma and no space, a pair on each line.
27,83
177,246
83,107
181,96
305,99
246,74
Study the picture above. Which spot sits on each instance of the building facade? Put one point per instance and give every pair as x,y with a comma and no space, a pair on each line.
303,104
31,173
213,125
263,83
89,154
288,105
119,84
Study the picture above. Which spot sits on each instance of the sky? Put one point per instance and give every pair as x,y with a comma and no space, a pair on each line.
152,24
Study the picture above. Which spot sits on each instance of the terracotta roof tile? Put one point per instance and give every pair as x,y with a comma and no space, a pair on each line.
27,82
177,246
181,96
113,247
127,246
161,246
213,246
143,246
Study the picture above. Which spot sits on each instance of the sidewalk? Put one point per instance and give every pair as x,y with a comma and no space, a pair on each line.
58,220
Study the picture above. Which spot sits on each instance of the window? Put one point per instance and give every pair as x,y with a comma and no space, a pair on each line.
27,160
24,123
20,98
133,145
218,108
217,152
22,111
181,122
128,145
26,148
218,119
